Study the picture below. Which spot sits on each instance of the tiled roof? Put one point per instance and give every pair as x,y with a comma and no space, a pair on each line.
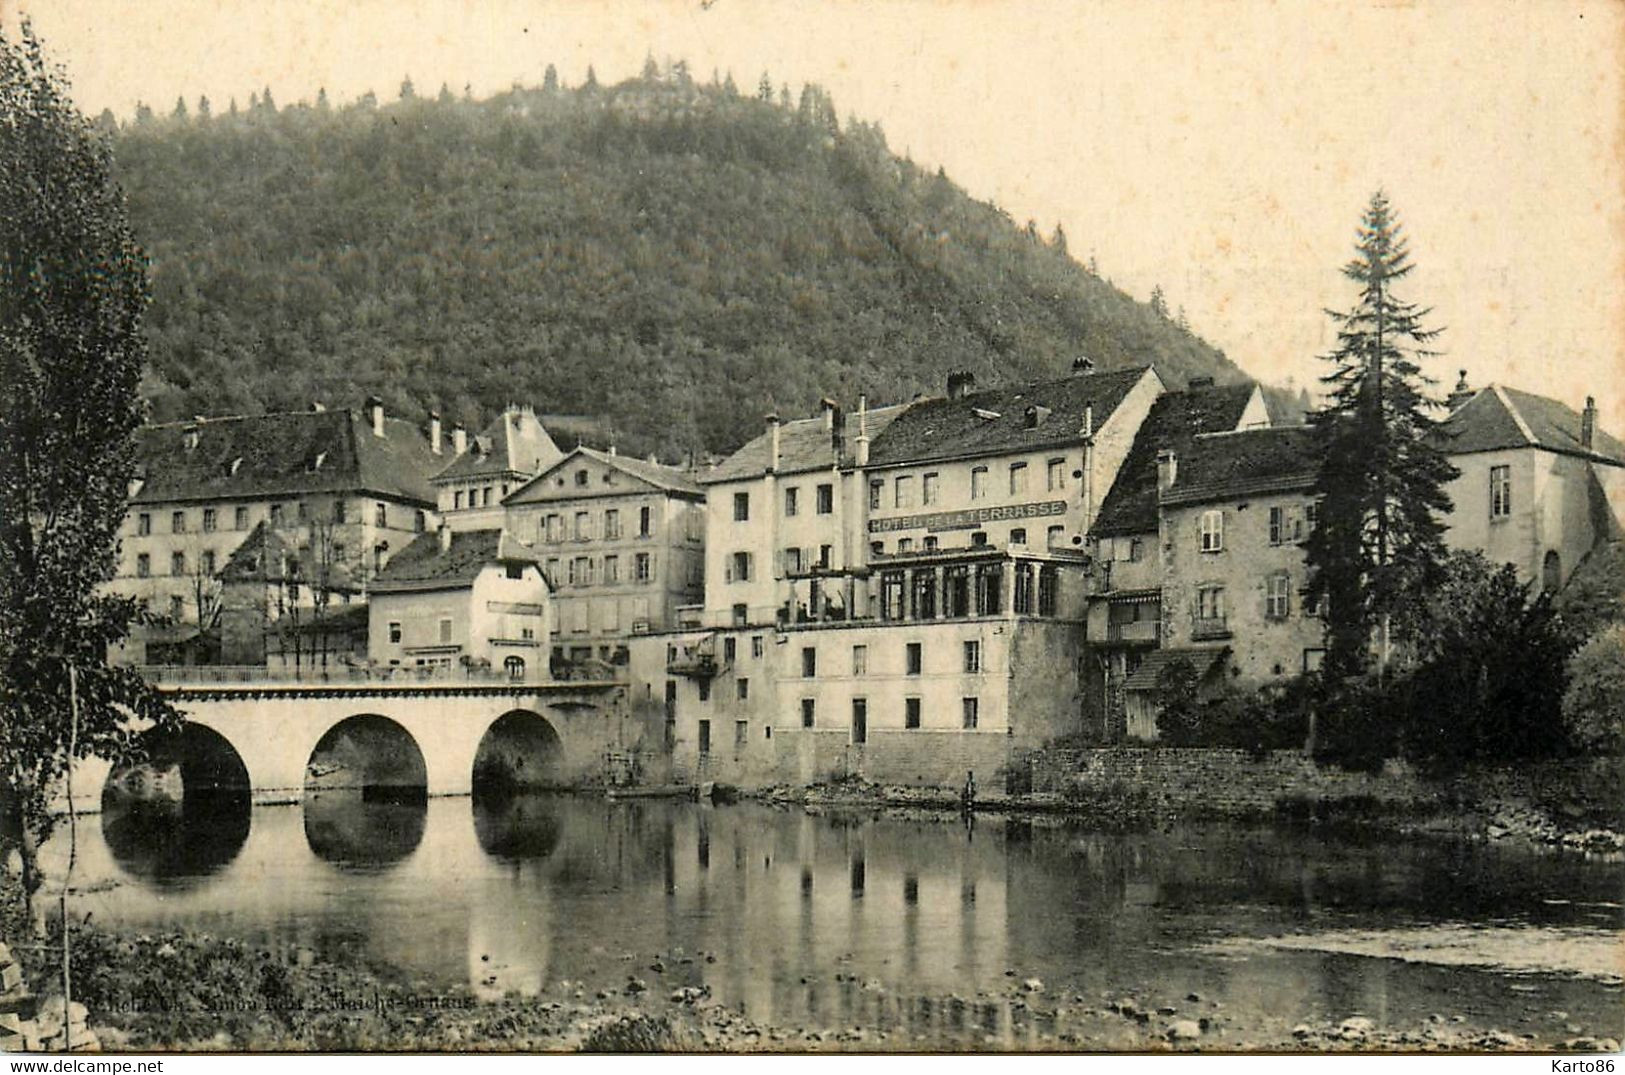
660,475
804,444
263,456
995,421
514,443
1216,466
1500,417
424,565
257,557
1148,675
1130,506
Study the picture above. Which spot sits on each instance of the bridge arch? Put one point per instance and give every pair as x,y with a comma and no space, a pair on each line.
366,791
183,812
520,751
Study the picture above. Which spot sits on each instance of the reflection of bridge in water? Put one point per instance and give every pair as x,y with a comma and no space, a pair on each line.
277,738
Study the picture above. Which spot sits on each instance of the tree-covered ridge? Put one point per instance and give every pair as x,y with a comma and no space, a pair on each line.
679,257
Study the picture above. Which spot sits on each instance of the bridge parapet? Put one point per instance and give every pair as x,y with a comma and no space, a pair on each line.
167,675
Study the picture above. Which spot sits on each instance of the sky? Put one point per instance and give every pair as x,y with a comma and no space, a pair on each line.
1222,149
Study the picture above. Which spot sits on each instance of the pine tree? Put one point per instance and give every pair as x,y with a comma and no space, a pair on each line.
180,109
72,292
591,83
550,80
204,111
1058,239
408,91
651,70
1381,472
1159,302
764,89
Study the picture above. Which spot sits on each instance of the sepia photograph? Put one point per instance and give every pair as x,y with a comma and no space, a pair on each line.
812,527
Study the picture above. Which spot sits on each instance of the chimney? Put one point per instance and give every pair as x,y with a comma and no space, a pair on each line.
189,438
1089,420
861,447
434,432
1083,364
375,414
1459,394
445,538
773,443
1167,470
829,408
612,449
459,439
960,384
1588,423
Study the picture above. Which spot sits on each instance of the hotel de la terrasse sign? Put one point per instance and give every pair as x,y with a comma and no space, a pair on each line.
969,519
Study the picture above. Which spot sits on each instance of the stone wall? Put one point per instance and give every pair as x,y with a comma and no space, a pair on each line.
1210,781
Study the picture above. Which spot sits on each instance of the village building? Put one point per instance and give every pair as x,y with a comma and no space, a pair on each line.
345,487
1540,483
901,596
286,605
461,603
622,541
509,452
1126,563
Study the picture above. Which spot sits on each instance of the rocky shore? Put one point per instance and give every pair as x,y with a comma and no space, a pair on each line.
197,992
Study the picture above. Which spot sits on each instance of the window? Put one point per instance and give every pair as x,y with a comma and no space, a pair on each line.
809,661
644,566
704,685
1311,515
978,539
1018,478
552,572
875,488
860,660
240,519
177,563
860,720
485,497
1286,525
302,511
574,576
1021,601
1500,492
1018,535
646,521
143,566
514,665
177,607
892,595
756,647
792,561
378,555
445,629
825,555
739,567
208,520
581,570
1136,550
612,524
877,548
177,522
807,705
930,488
978,483
742,689
612,569
792,500
394,633
380,514
826,499
741,615
911,712
1055,474
1054,537
515,571
903,492
208,561
913,658
456,499
581,477
973,656
905,545
741,731
143,524
741,507
276,515
1312,659
1210,603
1212,531
1049,582
969,709
1278,597
705,737
583,528
930,543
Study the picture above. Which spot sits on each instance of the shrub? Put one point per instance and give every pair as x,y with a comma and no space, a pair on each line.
1594,704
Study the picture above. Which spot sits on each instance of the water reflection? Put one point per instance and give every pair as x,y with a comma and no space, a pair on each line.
175,843
517,825
365,829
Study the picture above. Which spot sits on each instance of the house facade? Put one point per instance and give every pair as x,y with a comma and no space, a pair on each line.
509,452
461,602
622,541
344,489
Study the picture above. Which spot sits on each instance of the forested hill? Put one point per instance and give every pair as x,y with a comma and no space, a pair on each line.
676,257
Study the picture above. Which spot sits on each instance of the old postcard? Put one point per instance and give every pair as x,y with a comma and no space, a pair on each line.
736,526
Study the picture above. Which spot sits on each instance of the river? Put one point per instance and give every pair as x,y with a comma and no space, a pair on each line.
808,919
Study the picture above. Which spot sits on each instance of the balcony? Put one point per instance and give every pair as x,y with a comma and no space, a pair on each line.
695,661
1148,631
1209,628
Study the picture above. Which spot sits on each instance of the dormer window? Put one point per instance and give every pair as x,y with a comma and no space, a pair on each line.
317,460
231,467
985,415
189,438
1035,415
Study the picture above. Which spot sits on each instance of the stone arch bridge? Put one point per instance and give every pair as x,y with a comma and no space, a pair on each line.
287,736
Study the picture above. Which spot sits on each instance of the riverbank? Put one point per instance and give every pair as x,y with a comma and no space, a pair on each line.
200,992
